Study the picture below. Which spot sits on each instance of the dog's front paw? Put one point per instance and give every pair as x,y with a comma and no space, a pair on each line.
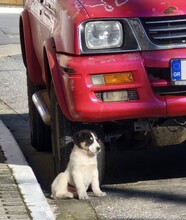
100,194
83,196
66,195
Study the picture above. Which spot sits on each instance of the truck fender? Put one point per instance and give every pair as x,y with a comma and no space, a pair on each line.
51,63
29,56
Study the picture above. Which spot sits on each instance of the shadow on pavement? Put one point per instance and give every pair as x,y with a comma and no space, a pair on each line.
146,164
127,166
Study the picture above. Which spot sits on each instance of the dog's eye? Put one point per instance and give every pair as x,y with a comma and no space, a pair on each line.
89,142
98,140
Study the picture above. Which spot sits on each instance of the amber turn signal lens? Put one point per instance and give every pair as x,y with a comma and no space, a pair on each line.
116,78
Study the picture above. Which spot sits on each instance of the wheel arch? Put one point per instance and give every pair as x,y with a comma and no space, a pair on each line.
28,53
51,72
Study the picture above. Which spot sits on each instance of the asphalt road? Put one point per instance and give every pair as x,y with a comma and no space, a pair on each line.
140,184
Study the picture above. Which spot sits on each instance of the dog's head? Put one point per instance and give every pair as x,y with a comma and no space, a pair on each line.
88,141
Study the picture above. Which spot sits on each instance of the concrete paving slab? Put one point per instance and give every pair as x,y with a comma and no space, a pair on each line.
6,50
76,210
11,202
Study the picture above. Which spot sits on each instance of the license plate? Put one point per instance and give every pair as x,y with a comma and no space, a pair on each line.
178,71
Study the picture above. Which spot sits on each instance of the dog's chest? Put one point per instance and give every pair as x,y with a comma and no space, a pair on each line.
87,172
82,166
83,169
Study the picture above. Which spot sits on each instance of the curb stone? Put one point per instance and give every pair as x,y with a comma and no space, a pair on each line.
25,179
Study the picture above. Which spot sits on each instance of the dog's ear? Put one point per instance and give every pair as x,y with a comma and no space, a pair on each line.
81,136
76,138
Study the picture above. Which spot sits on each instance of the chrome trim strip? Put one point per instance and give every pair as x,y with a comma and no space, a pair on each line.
145,42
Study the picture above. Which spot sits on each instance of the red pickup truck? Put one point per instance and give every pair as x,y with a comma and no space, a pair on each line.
117,67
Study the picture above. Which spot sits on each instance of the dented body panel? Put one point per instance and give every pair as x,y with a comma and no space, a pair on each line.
133,8
57,28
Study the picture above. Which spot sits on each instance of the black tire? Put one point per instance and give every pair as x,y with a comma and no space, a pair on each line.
62,130
40,133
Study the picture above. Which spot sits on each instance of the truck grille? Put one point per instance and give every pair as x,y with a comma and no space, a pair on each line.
164,31
163,74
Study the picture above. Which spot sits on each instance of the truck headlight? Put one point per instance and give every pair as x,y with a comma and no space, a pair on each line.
103,34
107,36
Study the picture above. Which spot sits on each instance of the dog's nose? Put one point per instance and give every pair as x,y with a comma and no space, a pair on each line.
98,148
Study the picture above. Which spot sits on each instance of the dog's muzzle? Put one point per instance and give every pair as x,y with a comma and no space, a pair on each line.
94,150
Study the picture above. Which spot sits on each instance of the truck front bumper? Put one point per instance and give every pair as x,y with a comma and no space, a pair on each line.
84,104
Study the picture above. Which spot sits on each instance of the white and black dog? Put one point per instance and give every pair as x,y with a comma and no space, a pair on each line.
82,170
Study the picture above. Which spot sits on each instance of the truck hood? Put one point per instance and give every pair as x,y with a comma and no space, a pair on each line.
133,8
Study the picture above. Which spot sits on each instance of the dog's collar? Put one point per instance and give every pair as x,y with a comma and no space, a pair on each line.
87,151
91,154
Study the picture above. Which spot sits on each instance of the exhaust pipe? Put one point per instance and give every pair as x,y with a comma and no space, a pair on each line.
42,103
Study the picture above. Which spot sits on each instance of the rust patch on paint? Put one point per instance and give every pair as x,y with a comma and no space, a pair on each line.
170,10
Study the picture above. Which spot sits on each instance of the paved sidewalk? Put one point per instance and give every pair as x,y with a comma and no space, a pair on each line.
21,196
12,205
